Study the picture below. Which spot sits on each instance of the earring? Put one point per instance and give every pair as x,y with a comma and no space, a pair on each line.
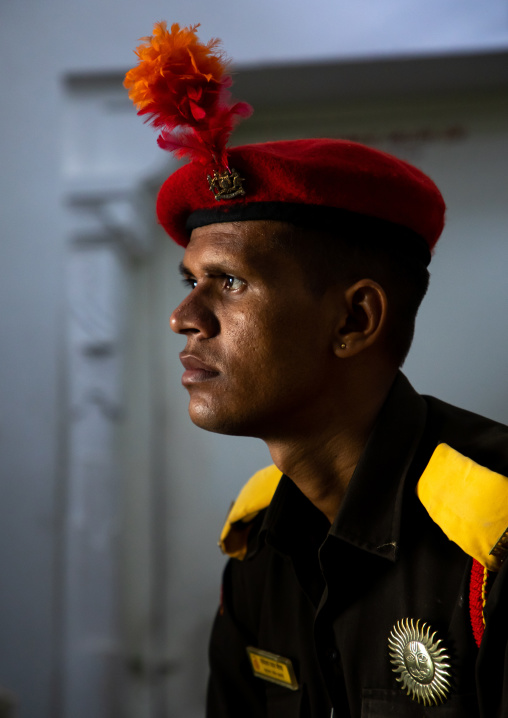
342,346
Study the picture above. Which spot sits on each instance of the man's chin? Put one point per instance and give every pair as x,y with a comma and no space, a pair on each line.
218,422
215,425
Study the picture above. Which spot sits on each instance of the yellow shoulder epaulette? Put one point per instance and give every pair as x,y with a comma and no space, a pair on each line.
469,503
253,498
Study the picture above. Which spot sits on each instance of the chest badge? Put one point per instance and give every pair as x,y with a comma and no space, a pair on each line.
272,668
419,661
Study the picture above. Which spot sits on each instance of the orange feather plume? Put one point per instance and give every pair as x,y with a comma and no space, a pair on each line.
181,85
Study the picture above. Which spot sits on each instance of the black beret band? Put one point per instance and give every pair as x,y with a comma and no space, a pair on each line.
394,237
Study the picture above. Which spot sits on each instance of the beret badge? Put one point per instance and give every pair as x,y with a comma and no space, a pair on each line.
226,185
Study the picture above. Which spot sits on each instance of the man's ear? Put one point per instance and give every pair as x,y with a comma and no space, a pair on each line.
364,318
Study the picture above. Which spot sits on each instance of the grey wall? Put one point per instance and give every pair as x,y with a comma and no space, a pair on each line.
31,371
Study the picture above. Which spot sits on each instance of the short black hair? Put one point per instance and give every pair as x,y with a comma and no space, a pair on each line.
369,249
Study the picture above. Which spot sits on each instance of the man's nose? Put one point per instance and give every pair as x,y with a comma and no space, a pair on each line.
194,316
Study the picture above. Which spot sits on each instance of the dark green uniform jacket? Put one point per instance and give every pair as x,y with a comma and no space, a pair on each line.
326,598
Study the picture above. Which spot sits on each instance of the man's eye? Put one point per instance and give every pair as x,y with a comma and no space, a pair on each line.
189,282
232,283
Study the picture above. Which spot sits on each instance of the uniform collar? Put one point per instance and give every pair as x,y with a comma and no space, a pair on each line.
370,514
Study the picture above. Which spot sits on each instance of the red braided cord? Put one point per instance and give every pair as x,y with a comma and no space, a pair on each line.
477,600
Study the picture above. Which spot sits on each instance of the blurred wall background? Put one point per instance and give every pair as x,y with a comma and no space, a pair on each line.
111,501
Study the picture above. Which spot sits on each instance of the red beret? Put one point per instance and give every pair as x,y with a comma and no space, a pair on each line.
295,178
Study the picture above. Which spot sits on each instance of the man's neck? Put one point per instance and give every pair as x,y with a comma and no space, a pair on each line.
321,462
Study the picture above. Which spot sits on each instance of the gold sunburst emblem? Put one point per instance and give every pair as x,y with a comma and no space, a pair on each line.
421,662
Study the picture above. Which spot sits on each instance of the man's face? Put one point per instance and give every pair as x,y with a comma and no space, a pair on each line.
259,352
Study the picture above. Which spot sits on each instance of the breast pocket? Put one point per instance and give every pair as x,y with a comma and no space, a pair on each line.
396,704
282,703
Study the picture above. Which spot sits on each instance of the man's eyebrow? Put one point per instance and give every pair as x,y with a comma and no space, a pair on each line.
211,268
183,270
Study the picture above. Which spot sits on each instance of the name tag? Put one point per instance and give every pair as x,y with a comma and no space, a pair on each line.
273,668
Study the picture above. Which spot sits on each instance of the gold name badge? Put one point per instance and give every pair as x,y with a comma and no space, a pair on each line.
273,668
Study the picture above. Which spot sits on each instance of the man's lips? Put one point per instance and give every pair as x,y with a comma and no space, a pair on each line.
195,369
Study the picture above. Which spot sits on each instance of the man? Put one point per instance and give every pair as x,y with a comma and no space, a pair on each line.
367,574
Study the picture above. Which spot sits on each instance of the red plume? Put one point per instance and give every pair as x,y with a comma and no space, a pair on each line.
182,86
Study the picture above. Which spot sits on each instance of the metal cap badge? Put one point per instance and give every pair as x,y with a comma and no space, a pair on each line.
226,185
420,661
